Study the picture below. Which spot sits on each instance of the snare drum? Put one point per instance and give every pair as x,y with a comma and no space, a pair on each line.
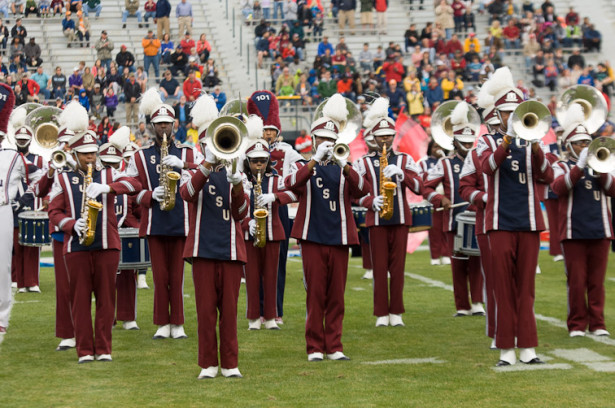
465,239
134,253
359,216
34,228
421,216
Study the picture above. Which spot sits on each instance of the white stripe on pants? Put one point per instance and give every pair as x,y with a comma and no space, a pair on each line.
6,248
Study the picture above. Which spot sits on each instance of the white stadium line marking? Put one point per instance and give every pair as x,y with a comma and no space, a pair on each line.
26,301
358,289
430,282
611,279
580,355
532,367
608,367
429,360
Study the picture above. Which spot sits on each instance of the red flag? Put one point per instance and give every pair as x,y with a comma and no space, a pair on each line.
414,238
411,138
550,137
358,148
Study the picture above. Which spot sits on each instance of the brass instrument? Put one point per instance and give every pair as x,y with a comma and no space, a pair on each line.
592,102
348,129
89,211
237,108
168,178
601,155
531,121
341,151
58,158
260,215
387,188
227,138
442,127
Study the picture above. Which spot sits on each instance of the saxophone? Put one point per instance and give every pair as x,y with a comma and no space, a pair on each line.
260,214
168,178
387,188
89,211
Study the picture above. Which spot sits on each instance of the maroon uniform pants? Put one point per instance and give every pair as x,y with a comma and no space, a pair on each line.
262,266
465,271
514,260
437,237
489,295
25,264
126,300
168,273
366,255
216,289
325,268
388,247
92,272
64,321
586,261
552,207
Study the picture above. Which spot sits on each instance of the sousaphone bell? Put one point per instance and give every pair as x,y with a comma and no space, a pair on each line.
348,129
442,127
592,102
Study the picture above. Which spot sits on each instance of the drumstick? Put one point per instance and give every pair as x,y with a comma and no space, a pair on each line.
454,206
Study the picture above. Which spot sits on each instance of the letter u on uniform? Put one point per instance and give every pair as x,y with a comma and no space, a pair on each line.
522,178
226,215
333,206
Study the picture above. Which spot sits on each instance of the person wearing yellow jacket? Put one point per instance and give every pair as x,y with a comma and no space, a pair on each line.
151,51
471,39
449,82
415,101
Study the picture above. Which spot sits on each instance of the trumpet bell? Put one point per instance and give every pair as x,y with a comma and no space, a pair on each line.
227,137
531,120
591,100
341,151
442,127
58,158
349,129
601,155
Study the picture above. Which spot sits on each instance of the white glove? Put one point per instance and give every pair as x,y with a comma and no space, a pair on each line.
265,199
392,170
323,151
209,156
173,161
509,128
377,203
70,160
15,204
79,226
341,162
252,227
582,162
485,198
96,189
235,178
158,193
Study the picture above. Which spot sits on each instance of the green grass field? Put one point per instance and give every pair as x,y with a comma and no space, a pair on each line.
458,370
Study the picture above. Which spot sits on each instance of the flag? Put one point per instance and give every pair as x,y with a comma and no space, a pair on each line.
550,137
358,148
411,138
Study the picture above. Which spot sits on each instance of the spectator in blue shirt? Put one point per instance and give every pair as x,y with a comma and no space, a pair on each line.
219,97
43,81
592,39
163,11
434,94
74,81
586,78
68,28
325,45
397,98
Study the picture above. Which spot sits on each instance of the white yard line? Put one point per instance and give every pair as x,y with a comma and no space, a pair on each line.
430,360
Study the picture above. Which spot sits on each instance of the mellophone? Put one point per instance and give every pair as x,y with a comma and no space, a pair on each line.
34,229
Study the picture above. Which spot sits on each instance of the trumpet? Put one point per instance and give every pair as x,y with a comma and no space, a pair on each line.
601,155
227,137
341,151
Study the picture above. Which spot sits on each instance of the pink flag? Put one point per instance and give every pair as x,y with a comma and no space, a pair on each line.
414,238
550,137
411,138
358,148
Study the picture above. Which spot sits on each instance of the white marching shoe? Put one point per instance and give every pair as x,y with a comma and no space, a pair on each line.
34,289
396,320
369,274
382,321
177,331
163,332
477,309
231,373
538,271
209,372
446,260
85,359
600,332
493,346
271,325
316,356
338,356
528,356
66,344
104,357
435,262
507,357
254,324
558,258
130,325
141,282
577,333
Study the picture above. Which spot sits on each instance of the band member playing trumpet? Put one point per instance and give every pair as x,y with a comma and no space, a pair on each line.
263,241
165,229
325,228
585,228
217,204
91,243
513,221
388,216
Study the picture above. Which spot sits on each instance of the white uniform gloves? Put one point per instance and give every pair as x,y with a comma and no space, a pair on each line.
96,189
173,161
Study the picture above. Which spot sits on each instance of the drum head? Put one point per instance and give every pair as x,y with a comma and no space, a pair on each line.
33,215
129,232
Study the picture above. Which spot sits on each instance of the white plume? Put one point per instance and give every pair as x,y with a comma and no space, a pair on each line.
485,98
204,112
459,116
255,127
574,116
502,79
150,100
120,138
378,110
18,117
74,117
335,108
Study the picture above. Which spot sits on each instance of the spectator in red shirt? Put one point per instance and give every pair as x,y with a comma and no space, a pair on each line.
192,87
572,17
511,35
393,69
338,60
458,14
303,144
30,88
187,44
453,45
344,87
458,64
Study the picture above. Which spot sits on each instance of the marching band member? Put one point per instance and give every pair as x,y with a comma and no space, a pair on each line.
513,221
217,204
265,105
325,228
585,228
388,237
91,268
74,118
473,189
438,247
262,266
447,171
551,203
166,231
127,213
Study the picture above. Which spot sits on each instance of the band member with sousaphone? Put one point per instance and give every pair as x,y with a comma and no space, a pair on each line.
583,183
217,204
325,228
514,164
164,215
388,216
91,242
454,126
